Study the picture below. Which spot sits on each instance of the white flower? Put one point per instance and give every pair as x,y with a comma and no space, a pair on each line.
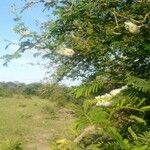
117,91
97,97
106,96
124,87
25,33
105,100
133,28
66,51
104,104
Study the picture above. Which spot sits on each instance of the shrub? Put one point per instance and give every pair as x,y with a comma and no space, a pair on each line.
57,93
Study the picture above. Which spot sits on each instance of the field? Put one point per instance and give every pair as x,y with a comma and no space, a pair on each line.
34,122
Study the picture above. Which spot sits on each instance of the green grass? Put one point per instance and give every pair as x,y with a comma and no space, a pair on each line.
34,121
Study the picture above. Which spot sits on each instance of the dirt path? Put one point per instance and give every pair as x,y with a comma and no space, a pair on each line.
59,129
41,141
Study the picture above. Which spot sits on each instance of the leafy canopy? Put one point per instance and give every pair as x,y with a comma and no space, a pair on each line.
108,37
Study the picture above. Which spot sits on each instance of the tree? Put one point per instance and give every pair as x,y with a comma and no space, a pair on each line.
107,43
99,32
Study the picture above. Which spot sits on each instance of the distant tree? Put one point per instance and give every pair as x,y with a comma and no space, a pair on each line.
56,92
32,89
8,89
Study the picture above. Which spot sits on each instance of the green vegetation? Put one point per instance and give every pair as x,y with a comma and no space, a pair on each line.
9,89
107,45
31,123
53,92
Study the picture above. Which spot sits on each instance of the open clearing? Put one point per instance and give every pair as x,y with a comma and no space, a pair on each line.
34,121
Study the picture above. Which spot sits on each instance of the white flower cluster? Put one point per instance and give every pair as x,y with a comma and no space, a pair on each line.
25,33
117,91
66,51
133,28
104,103
105,100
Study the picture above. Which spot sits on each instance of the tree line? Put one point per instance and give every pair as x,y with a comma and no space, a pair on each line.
47,91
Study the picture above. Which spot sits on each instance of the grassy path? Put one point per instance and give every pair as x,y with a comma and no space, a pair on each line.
34,121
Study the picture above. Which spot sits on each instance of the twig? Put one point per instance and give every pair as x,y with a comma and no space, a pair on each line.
117,25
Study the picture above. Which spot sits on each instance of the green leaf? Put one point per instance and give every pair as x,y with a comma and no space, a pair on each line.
134,136
145,108
138,119
138,83
88,88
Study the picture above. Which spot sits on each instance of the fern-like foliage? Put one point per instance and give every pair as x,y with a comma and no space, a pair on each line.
143,139
89,88
90,115
138,83
124,125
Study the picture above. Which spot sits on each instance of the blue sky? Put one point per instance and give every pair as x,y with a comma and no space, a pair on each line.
18,70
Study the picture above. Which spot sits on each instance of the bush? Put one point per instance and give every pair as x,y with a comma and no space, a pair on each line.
57,93
5,93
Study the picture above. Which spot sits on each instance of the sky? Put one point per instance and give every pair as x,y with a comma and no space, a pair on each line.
19,69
